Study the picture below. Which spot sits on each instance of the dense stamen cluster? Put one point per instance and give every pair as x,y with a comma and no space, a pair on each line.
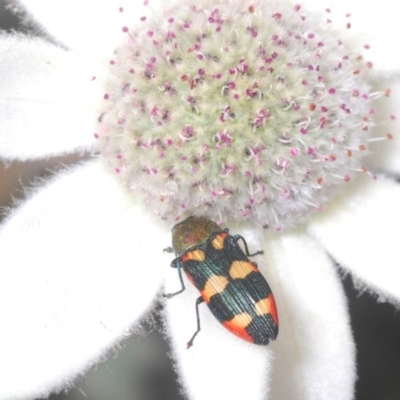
245,112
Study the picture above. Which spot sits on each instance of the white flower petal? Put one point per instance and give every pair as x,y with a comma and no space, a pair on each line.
219,365
386,153
77,269
314,351
90,27
47,99
371,23
358,229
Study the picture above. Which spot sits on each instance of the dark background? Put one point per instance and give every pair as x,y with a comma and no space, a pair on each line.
142,370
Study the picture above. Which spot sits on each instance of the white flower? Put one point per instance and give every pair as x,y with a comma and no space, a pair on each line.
82,260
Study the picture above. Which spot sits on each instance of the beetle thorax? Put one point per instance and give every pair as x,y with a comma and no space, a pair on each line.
191,232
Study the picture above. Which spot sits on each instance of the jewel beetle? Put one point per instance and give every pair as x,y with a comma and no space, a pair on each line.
229,283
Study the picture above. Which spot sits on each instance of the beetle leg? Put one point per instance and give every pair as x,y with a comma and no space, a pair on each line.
238,237
190,342
176,264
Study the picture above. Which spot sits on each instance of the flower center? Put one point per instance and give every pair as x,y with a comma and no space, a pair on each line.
235,112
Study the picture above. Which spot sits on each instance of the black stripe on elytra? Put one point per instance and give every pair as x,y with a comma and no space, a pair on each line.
262,329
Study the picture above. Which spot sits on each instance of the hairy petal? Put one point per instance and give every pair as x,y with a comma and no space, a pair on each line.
314,352
357,230
219,365
48,99
77,271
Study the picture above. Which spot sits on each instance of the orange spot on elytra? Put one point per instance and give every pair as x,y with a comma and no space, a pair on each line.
214,285
196,255
320,180
238,324
240,269
312,107
349,153
389,136
332,157
251,9
268,306
218,241
356,72
362,147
